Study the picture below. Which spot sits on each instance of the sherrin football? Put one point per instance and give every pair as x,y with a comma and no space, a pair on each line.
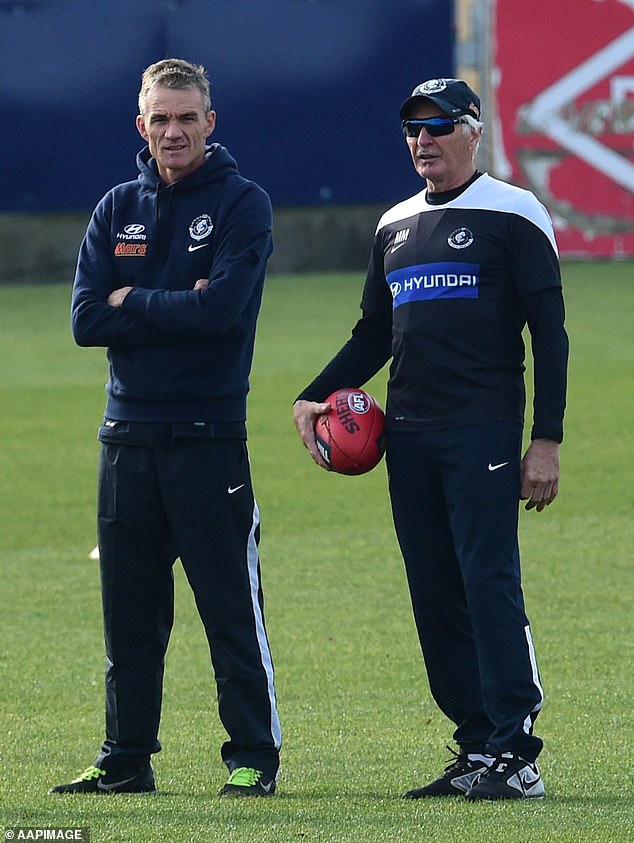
351,436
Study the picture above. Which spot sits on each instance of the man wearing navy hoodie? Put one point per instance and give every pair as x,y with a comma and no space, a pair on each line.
169,279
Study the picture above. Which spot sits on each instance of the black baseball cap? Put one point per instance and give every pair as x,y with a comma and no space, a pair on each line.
454,96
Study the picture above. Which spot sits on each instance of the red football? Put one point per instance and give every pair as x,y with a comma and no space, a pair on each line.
351,436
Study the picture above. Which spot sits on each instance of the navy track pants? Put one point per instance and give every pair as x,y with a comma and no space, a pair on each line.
455,496
193,499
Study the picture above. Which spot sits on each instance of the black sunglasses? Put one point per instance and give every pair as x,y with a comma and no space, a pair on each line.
434,126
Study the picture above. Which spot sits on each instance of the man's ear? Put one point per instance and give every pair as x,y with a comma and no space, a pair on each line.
140,124
211,123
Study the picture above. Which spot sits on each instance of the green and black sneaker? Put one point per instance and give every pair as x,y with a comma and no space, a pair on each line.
245,781
96,780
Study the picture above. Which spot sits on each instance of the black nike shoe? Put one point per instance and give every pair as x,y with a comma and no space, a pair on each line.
458,777
509,777
95,780
245,781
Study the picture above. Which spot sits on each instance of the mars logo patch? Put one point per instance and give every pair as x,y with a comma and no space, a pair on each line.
130,250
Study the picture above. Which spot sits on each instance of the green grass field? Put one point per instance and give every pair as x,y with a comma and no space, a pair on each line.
358,720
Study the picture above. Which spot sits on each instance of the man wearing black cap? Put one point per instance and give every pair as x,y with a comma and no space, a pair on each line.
455,274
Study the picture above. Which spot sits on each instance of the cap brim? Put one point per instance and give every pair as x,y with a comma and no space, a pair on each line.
447,107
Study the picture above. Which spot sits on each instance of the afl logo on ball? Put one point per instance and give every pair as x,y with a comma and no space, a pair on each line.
359,402
460,238
201,227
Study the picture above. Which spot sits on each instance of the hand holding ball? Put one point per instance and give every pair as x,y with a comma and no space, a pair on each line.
351,437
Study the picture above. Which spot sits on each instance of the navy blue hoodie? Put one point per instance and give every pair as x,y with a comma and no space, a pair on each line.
176,354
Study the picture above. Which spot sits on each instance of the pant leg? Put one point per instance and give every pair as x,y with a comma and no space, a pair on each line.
481,483
138,601
436,587
215,522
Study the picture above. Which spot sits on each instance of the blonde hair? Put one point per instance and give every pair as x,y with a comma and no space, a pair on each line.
175,73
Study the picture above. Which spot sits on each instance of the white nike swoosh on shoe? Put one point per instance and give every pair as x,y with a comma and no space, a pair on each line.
495,467
191,248
233,489
466,781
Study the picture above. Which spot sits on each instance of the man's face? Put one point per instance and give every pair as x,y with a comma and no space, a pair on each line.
176,128
447,161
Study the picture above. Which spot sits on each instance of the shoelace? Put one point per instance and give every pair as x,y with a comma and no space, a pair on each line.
245,777
457,758
89,773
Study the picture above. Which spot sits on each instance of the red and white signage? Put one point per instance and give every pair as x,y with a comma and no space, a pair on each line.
564,116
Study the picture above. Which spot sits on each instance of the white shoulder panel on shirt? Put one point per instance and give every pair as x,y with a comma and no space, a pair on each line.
485,194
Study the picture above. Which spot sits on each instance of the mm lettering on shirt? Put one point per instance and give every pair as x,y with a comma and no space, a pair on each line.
130,250
427,281
399,239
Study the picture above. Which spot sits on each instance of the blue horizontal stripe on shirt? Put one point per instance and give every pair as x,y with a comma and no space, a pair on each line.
426,281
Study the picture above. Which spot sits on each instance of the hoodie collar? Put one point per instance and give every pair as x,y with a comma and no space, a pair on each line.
218,164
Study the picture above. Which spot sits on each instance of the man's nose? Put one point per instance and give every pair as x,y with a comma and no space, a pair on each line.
173,129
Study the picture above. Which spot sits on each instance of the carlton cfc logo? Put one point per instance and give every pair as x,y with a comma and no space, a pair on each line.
460,238
201,227
433,86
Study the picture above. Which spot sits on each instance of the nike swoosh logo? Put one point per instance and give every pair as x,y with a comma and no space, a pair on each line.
528,776
267,787
231,490
495,467
191,248
398,246
102,786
